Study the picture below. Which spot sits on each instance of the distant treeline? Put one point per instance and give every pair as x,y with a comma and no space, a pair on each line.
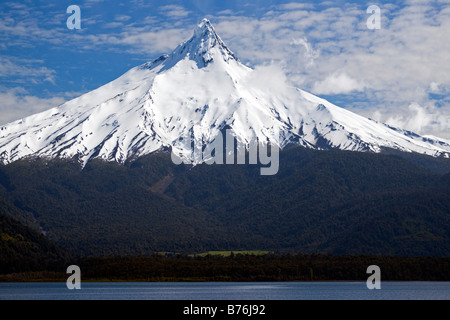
263,268
244,267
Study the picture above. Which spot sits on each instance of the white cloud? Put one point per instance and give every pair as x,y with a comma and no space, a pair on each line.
174,11
337,83
422,119
310,54
90,3
144,40
268,77
112,25
19,70
226,12
437,88
16,104
295,6
122,18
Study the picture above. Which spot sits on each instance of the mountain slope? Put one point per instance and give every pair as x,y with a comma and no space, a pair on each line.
23,249
195,92
108,208
319,202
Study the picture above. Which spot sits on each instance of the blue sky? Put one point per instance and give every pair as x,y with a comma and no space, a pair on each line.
399,74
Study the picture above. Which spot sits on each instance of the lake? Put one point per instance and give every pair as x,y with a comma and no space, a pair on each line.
227,291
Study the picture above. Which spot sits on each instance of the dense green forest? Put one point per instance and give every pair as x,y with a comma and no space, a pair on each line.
23,249
320,202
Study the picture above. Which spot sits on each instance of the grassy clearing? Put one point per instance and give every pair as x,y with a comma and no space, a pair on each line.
229,253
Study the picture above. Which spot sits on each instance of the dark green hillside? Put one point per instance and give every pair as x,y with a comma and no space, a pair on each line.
110,209
410,223
23,249
319,202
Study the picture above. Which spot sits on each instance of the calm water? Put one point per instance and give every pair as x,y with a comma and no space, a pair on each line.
227,291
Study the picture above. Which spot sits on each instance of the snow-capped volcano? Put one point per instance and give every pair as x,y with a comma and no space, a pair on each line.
196,91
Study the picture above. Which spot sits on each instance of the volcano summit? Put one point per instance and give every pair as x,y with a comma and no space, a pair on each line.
198,90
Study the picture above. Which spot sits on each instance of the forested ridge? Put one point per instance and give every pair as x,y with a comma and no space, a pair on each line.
23,249
320,202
